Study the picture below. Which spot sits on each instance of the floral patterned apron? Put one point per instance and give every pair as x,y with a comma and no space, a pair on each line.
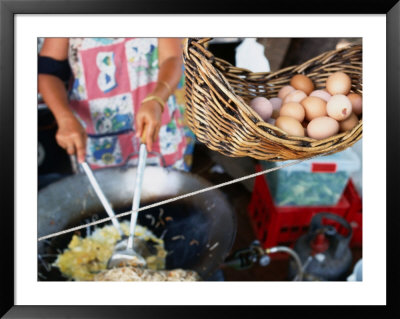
111,78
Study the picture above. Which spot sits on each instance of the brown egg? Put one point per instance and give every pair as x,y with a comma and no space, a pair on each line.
290,125
284,91
356,102
348,123
339,107
293,109
322,94
322,127
314,107
302,83
295,96
338,83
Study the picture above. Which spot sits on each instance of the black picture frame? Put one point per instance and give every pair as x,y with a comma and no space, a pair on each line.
8,10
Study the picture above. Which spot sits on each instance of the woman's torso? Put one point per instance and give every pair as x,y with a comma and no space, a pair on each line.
111,78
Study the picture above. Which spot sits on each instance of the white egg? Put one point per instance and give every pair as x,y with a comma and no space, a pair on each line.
262,106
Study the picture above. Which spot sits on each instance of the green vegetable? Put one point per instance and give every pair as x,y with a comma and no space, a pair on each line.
300,188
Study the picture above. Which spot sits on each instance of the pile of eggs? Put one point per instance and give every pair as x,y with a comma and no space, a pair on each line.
301,110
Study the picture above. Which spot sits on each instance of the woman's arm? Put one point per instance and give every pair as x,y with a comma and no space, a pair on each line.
170,72
70,134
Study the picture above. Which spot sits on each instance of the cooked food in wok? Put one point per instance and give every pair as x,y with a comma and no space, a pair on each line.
141,274
86,257
190,227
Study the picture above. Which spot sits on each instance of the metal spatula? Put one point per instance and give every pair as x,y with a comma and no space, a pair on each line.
127,255
102,197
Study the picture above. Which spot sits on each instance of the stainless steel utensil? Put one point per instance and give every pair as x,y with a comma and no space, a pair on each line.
102,197
127,255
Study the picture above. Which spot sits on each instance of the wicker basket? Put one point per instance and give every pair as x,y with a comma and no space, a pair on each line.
217,96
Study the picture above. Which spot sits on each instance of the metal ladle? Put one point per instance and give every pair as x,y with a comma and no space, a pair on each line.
127,256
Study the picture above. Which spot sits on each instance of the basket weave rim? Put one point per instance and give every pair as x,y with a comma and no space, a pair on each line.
211,75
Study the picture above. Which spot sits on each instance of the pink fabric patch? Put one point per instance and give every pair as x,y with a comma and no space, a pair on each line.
105,71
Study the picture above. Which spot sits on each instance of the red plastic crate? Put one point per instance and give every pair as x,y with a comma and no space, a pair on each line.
354,214
283,225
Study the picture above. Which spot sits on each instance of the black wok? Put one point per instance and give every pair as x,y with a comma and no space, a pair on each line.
199,233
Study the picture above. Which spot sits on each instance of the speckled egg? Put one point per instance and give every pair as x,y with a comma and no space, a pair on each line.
339,107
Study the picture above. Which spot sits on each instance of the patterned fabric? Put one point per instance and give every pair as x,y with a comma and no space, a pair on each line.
111,77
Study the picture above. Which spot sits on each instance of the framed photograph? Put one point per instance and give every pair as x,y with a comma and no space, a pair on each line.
27,291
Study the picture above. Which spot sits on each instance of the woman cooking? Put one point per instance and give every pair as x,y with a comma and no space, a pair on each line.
122,88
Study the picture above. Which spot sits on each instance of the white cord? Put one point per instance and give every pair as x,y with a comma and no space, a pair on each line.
69,230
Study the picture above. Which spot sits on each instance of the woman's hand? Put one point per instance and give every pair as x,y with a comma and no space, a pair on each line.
148,122
72,137
70,134
149,115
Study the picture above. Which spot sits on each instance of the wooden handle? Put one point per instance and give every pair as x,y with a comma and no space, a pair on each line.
143,137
